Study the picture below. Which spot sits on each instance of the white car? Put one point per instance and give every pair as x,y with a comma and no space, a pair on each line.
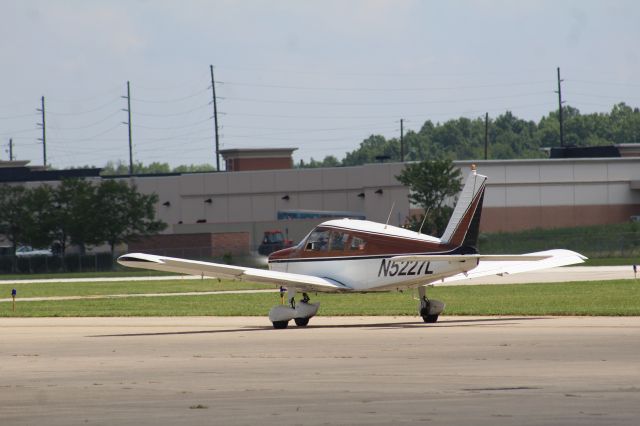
26,251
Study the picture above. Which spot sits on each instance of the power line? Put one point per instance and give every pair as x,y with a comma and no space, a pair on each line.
165,101
11,117
88,111
384,103
141,126
91,124
384,74
199,107
371,89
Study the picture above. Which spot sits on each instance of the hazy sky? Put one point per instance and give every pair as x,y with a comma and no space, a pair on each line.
317,75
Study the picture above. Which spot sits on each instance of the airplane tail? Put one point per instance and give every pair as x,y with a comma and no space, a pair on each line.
464,225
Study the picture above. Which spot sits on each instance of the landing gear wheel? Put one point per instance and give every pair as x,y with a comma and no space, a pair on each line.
430,318
301,322
280,324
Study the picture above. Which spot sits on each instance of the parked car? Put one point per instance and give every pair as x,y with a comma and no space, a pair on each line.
26,251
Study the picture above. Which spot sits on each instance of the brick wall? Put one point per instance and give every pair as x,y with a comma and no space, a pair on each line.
194,246
244,164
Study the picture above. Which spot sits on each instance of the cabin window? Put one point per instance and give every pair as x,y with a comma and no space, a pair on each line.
357,243
338,240
318,241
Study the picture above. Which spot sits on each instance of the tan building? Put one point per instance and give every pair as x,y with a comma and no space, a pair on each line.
521,194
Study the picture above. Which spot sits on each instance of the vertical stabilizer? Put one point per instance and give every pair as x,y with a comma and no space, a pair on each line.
464,215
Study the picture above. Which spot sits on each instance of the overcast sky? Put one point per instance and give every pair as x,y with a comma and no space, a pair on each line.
320,76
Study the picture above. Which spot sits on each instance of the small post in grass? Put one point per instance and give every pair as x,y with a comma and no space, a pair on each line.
635,271
14,292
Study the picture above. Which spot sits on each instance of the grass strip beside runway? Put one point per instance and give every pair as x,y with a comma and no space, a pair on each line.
127,287
608,298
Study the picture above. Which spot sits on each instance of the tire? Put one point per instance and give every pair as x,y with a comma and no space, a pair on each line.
280,324
301,322
430,318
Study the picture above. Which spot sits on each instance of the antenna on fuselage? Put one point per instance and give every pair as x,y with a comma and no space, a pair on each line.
389,217
424,219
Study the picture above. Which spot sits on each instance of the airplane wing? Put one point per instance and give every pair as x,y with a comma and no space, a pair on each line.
219,270
503,264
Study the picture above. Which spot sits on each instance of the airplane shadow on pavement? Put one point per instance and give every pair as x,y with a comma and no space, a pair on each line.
476,322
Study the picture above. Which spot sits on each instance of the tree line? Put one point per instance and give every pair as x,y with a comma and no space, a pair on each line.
509,137
76,212
121,168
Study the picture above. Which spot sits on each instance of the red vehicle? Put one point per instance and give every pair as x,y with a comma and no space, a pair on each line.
273,241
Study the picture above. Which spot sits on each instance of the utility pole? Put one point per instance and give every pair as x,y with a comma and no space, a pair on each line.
402,140
215,118
486,133
128,123
10,149
44,134
559,92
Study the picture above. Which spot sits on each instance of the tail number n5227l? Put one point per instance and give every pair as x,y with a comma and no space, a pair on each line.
390,268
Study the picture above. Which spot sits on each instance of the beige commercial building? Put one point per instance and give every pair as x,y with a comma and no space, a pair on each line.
521,194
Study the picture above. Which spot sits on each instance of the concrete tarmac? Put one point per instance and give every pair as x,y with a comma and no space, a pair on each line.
339,370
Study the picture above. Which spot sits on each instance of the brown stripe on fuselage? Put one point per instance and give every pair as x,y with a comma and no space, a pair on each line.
376,244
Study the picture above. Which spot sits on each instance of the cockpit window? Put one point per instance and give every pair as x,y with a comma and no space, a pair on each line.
318,240
338,240
357,243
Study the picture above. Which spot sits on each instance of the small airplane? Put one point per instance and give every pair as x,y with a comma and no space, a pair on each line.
347,256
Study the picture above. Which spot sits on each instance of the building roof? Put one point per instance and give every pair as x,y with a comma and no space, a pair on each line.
256,152
18,171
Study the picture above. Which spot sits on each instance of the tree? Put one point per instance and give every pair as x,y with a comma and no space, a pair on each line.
15,219
38,216
124,214
329,161
73,215
431,184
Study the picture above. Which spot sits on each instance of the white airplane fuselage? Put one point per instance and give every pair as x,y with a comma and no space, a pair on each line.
377,274
367,265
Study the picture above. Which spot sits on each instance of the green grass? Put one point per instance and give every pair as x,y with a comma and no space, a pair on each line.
611,261
621,240
102,274
611,298
126,287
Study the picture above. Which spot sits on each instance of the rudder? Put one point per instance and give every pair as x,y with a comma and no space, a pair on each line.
464,225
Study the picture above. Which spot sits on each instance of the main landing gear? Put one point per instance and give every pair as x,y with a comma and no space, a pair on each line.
429,309
280,315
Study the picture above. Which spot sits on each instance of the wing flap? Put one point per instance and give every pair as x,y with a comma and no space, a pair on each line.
218,270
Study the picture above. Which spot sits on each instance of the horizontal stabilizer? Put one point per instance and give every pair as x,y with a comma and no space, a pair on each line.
496,266
470,257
